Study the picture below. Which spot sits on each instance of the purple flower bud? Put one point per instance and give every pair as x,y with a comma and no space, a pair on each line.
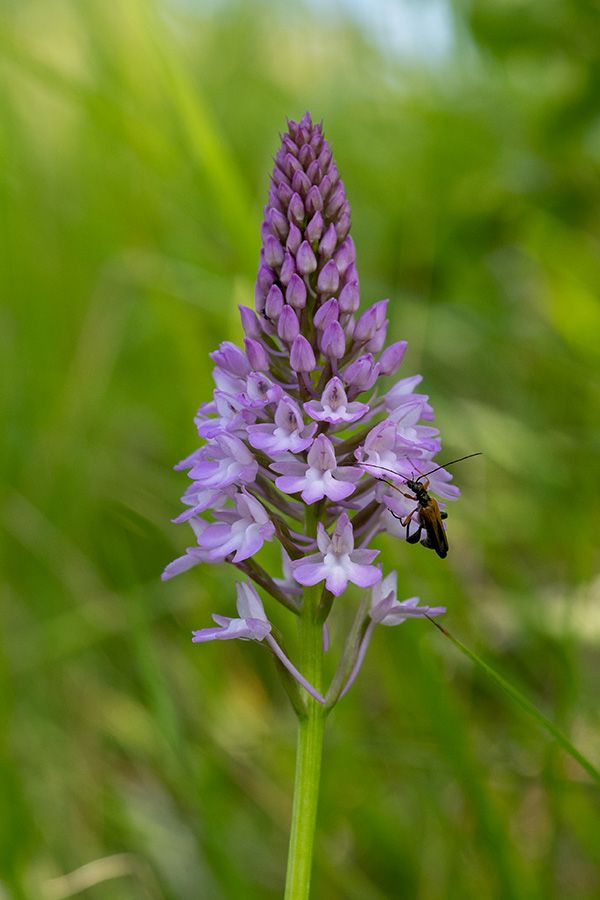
369,323
326,314
333,342
294,239
325,186
230,358
345,255
392,356
349,298
351,274
302,357
249,322
336,200
260,298
378,340
274,303
333,173
296,292
316,141
288,269
287,146
296,209
278,223
273,252
265,279
380,310
314,229
284,195
329,241
362,373
278,175
306,156
325,158
288,325
329,278
342,225
314,200
315,172
305,259
257,356
301,183
291,165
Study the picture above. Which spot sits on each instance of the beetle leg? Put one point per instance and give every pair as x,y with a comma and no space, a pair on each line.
406,520
414,538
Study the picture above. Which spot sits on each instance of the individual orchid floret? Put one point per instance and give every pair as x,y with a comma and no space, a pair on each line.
362,374
378,452
250,322
402,393
391,358
413,439
287,432
370,322
223,461
242,530
231,359
260,392
319,477
200,499
192,557
333,342
387,610
302,356
437,477
334,407
338,562
230,416
252,625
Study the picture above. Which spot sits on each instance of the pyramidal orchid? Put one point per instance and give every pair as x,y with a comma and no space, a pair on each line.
304,438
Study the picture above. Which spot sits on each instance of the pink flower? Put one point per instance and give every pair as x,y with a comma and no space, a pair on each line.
333,407
338,562
319,477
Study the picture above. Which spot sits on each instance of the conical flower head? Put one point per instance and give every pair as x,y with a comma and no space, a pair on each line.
300,420
307,255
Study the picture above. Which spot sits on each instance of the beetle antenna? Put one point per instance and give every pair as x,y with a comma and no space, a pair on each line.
425,474
451,463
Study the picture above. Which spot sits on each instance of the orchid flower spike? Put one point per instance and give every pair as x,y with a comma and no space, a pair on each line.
305,424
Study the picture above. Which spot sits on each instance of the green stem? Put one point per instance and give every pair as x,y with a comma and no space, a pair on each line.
309,753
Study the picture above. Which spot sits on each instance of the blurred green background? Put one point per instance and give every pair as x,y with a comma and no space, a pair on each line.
136,144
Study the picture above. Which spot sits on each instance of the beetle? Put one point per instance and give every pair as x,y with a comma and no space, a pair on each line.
429,515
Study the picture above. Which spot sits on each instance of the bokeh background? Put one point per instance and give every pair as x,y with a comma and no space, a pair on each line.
136,144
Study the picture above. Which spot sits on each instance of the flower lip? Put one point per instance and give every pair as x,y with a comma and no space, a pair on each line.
333,407
337,562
